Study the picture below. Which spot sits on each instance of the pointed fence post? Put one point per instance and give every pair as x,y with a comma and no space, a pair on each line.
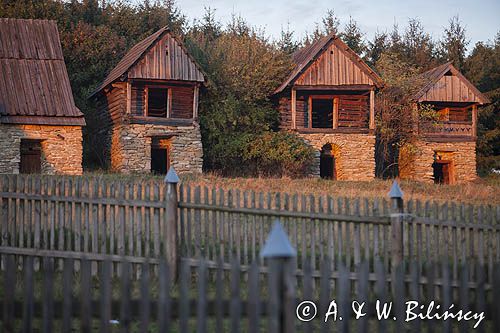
397,249
170,236
280,254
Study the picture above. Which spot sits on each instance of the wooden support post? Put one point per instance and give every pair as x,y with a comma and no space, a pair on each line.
170,237
372,110
309,112
129,97
294,108
146,99
281,254
169,103
396,229
195,101
335,113
474,120
415,118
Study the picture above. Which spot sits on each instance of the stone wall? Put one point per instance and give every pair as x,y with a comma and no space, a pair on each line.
131,147
416,161
354,154
61,147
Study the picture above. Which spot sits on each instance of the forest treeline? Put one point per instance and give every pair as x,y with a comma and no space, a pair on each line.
244,66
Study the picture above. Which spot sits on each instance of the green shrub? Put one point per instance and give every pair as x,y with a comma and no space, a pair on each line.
278,154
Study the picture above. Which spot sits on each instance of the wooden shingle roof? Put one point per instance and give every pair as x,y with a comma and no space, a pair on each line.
34,83
139,50
435,87
304,57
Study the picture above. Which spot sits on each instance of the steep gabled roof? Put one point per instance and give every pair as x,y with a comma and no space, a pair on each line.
305,56
432,76
136,53
34,83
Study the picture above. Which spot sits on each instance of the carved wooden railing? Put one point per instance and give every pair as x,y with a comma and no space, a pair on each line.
448,128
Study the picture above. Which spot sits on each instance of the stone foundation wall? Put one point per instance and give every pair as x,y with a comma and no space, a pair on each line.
131,147
61,147
416,162
354,154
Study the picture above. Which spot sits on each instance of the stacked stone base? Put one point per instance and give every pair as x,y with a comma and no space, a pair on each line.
354,154
416,160
61,147
131,147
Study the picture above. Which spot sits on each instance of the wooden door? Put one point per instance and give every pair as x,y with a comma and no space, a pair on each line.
446,173
31,157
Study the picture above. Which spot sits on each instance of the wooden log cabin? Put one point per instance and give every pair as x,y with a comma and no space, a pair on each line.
148,108
40,126
328,99
445,148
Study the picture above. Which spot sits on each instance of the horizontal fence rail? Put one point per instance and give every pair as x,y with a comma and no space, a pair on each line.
219,223
206,299
128,218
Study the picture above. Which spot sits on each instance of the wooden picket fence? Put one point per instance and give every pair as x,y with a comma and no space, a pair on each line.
262,299
101,216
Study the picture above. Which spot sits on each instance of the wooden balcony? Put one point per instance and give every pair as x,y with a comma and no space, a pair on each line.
447,129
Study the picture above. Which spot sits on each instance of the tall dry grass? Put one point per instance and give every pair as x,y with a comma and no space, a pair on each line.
483,191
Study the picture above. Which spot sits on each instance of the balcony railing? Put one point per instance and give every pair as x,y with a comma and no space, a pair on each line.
448,128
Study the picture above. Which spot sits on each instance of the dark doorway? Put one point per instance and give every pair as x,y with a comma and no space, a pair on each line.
442,172
327,167
31,156
160,157
322,113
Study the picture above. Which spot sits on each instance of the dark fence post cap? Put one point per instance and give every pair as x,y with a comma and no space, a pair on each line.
395,192
171,176
277,244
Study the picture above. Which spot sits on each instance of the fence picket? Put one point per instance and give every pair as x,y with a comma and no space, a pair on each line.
28,305
67,294
201,309
85,296
48,294
145,305
235,310
105,290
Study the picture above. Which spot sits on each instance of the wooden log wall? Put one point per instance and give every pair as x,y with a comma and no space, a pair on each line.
181,104
354,111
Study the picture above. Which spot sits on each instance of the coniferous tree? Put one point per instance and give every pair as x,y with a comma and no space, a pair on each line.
353,37
286,42
376,48
454,43
418,46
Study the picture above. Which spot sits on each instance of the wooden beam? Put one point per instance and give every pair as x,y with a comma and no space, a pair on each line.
169,102
195,101
335,113
355,87
309,112
294,108
146,99
474,120
372,110
129,97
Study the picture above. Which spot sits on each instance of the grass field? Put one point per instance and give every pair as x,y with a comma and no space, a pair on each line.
484,191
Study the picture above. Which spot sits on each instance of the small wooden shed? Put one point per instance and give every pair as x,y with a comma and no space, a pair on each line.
445,149
328,99
148,108
40,126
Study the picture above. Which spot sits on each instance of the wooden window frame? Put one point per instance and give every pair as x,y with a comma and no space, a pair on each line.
335,111
146,98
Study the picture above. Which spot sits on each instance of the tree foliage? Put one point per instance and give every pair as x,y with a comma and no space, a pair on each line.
244,66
